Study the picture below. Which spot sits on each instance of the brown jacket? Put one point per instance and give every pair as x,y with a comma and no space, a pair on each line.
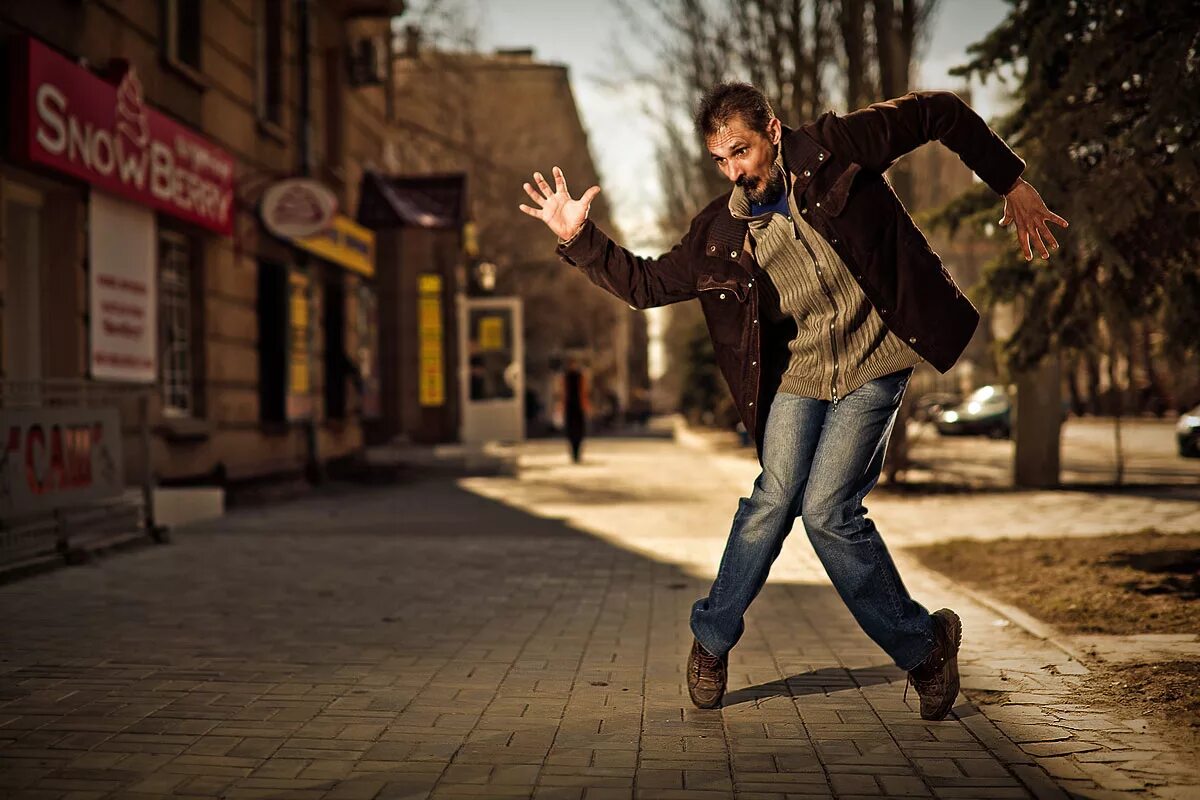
838,164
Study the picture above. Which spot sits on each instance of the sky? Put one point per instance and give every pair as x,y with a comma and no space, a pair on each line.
591,37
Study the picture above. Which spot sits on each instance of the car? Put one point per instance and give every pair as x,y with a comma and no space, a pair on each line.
987,411
1187,433
928,406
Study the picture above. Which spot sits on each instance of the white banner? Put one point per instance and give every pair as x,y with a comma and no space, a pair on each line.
123,290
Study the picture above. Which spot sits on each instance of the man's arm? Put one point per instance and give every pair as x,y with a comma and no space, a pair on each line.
640,282
881,133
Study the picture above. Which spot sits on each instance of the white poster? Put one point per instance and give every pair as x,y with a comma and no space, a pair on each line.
123,290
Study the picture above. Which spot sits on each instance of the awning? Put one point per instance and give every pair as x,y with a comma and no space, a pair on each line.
429,201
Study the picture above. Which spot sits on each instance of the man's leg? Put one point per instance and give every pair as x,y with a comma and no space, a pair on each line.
845,467
763,520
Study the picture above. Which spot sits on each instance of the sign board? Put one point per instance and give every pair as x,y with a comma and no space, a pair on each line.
297,207
123,292
57,457
345,243
299,380
74,121
430,337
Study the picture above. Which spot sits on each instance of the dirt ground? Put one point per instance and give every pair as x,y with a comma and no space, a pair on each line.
1136,583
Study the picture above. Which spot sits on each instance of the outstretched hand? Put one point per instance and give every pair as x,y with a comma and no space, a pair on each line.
561,214
1024,206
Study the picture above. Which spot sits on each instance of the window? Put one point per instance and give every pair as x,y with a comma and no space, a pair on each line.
270,61
175,324
182,32
339,367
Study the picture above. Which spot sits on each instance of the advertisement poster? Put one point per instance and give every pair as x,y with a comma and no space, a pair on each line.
123,292
299,362
430,337
58,457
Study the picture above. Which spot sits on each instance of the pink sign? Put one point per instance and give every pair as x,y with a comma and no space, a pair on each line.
80,124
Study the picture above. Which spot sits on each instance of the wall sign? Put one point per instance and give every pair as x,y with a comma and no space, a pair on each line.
297,207
73,121
123,292
345,243
55,457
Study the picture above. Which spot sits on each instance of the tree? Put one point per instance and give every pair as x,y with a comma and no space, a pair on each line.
1108,120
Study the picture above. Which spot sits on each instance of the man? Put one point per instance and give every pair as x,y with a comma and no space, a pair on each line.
821,296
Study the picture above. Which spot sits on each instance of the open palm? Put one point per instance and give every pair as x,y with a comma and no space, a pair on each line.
561,214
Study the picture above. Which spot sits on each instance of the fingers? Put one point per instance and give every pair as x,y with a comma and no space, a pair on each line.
560,182
537,198
1007,219
541,182
1047,236
533,212
1037,245
589,196
1023,238
1056,219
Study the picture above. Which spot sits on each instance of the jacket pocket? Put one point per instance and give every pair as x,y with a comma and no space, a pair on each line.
724,287
834,201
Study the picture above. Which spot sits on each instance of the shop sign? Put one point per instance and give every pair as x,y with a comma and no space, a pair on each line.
76,122
432,383
345,243
56,457
297,207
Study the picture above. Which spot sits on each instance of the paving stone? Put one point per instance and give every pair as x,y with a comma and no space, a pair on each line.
503,637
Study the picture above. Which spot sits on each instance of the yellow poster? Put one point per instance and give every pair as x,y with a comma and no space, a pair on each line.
298,378
430,336
491,333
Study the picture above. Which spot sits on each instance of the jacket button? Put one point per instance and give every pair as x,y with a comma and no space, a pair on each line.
834,240
883,311
712,248
807,174
750,404
751,283
804,210
859,276
912,340
753,322
733,253
818,205
820,156
754,363
722,295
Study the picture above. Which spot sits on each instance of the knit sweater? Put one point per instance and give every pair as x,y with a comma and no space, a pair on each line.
841,342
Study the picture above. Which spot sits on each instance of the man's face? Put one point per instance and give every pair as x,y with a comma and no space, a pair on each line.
747,158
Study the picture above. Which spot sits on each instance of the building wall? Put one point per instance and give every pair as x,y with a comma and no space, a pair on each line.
228,435
498,118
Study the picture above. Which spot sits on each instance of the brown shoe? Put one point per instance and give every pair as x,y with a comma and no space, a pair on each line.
706,676
936,680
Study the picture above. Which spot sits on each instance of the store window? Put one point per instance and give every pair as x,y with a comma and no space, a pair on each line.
270,60
183,32
175,260
21,287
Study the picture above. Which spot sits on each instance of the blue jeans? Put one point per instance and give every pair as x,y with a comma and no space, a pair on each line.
819,462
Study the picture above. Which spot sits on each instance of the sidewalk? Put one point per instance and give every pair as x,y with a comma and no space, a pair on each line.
428,640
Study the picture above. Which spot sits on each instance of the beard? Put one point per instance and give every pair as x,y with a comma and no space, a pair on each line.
760,191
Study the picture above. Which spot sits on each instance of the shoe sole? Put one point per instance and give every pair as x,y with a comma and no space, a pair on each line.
954,625
707,706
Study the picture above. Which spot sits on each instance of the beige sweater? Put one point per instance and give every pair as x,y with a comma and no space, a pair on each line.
841,343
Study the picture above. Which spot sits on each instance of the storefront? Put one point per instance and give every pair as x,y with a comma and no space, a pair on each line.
106,207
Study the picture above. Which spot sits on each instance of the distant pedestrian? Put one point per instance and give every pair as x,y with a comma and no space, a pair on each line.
821,297
574,405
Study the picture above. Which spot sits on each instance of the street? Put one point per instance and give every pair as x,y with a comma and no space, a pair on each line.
525,637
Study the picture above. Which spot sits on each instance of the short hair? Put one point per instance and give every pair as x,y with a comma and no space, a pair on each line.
726,101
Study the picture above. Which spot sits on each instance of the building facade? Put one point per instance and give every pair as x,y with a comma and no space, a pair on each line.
134,252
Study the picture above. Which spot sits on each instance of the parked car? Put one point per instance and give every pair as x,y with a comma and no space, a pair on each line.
987,411
1187,433
928,406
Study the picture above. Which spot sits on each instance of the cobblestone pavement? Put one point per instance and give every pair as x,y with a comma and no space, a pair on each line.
513,637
